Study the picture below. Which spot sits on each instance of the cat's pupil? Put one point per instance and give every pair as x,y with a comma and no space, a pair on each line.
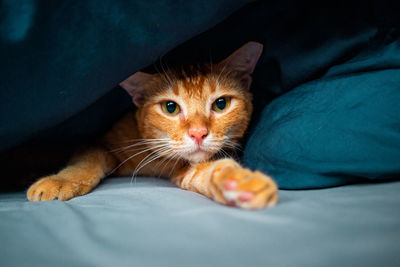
171,106
221,103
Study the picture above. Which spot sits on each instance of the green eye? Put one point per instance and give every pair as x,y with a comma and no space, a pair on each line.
170,107
221,103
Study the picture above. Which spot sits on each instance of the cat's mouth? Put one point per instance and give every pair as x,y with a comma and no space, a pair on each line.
198,154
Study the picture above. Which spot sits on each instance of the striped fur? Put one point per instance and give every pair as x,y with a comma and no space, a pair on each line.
153,143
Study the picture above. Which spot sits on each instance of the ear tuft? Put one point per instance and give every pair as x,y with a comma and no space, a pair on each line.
135,85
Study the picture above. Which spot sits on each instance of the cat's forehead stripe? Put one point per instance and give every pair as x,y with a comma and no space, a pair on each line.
193,85
175,89
213,86
200,86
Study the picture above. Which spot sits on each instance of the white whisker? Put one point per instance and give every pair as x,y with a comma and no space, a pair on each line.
174,155
173,167
149,158
143,142
134,155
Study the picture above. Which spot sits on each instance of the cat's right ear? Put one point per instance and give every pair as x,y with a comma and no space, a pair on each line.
136,84
243,61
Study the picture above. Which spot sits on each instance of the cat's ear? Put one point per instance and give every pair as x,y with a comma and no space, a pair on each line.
136,84
244,60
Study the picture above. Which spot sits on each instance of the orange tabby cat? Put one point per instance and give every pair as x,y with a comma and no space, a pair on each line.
185,122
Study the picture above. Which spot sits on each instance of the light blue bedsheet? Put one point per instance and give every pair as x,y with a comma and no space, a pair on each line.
153,223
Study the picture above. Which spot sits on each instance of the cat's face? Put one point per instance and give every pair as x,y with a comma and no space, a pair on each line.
194,116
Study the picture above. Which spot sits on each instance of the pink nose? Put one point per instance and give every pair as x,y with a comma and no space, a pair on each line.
198,134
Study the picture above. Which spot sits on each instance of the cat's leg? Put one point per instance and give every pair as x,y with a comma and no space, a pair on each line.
226,182
82,174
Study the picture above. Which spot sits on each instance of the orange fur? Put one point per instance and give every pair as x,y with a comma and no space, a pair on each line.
155,143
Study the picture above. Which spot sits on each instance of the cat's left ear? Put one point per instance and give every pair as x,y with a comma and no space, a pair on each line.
243,61
136,85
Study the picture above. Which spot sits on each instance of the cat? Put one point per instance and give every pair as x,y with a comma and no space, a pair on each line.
186,121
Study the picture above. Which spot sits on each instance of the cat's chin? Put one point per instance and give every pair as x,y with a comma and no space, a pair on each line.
198,156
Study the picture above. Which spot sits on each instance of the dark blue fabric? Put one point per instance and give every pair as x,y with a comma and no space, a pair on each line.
59,57
341,128
333,69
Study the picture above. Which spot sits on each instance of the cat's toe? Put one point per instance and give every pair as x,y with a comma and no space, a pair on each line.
245,189
51,188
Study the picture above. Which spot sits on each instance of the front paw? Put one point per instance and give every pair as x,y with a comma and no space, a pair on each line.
55,187
237,186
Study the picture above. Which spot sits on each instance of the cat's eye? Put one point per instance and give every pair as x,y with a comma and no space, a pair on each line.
221,103
170,107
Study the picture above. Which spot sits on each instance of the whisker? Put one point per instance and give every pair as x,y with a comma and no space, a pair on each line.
224,153
130,157
145,142
166,163
136,149
167,157
232,146
173,167
170,81
158,152
134,174
138,139
149,158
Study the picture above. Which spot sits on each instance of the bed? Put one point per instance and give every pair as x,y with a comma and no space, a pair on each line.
150,222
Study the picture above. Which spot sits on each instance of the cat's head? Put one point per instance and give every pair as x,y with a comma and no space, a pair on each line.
197,111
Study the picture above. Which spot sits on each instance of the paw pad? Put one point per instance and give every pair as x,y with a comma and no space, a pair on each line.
246,196
245,189
230,185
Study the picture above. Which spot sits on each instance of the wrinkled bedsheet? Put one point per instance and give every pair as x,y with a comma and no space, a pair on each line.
150,222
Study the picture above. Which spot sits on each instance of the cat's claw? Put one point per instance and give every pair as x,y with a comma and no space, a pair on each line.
236,186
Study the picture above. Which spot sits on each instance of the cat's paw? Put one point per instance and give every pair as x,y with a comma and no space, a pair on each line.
237,186
55,187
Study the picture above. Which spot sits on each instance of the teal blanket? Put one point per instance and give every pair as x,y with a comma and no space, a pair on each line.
341,128
150,222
